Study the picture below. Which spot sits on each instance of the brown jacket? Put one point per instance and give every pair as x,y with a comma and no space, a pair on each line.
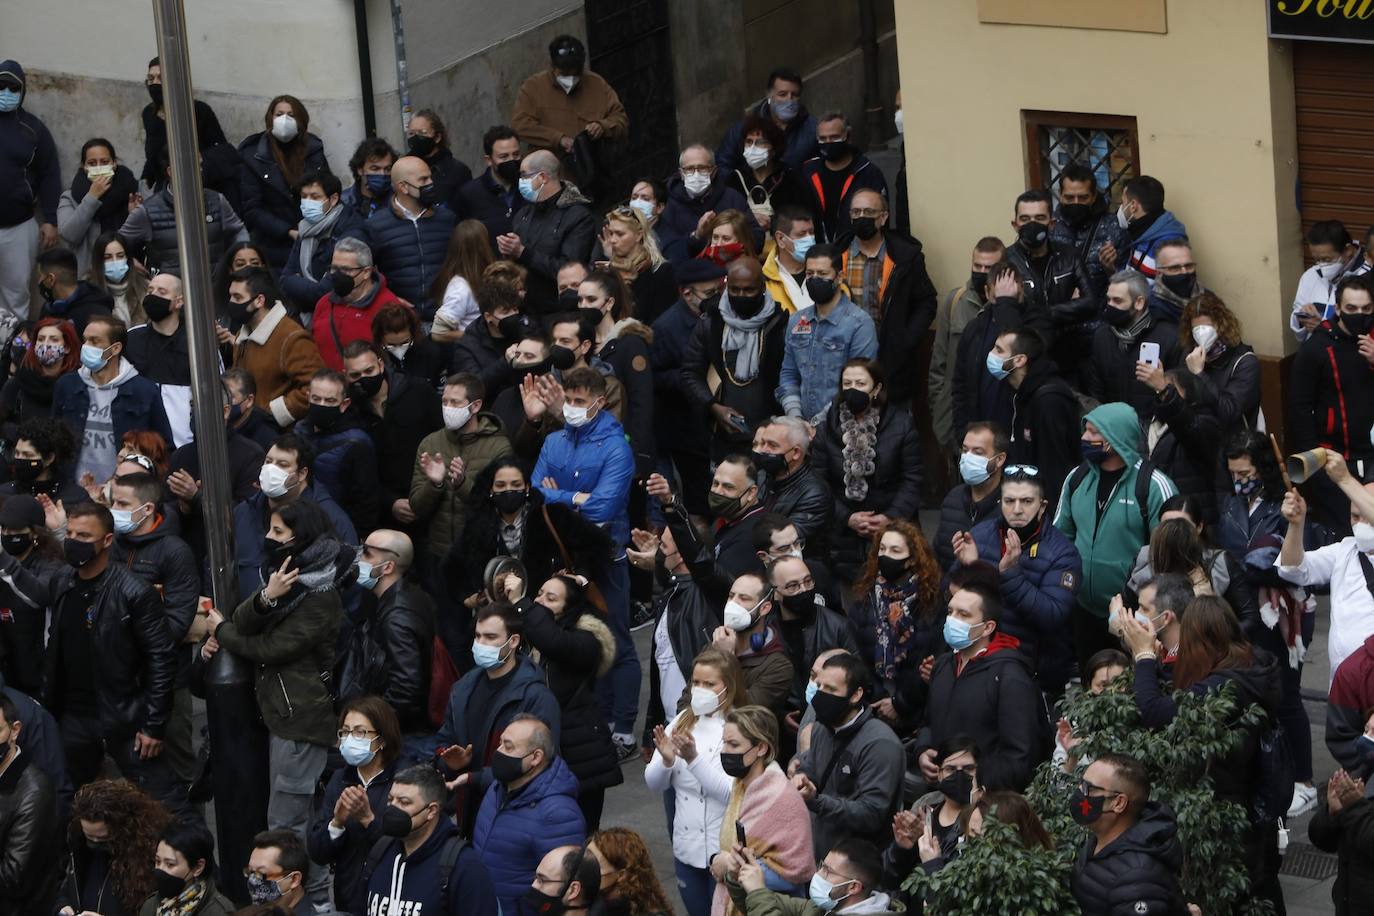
281,356
544,113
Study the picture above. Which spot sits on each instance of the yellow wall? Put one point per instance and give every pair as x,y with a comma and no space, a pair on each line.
1213,101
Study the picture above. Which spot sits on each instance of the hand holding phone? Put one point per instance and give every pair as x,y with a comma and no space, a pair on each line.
1149,353
739,833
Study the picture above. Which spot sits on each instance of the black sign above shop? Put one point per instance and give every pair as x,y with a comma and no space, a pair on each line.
1322,20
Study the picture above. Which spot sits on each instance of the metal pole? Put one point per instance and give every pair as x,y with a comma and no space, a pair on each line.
238,741
398,34
868,42
365,68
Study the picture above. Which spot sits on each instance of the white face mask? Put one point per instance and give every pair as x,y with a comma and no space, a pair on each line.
756,156
456,418
1364,537
696,184
567,82
1121,219
399,350
284,128
705,701
897,120
737,616
575,416
1205,335
272,480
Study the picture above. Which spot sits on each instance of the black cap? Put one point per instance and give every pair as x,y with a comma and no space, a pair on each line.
567,51
697,270
21,511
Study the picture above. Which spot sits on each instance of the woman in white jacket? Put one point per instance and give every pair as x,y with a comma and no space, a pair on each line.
687,758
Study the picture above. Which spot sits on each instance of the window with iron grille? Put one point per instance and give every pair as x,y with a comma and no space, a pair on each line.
1106,144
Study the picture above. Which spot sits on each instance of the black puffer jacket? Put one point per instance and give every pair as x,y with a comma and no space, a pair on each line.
574,652
85,302
403,626
1189,451
554,231
804,497
894,487
136,664
1088,239
412,412
30,837
959,512
1350,834
1137,873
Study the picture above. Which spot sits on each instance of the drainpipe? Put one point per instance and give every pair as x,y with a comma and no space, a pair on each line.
402,73
868,43
365,68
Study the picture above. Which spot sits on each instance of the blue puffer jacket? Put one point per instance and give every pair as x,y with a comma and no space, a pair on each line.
513,832
1037,593
409,254
593,459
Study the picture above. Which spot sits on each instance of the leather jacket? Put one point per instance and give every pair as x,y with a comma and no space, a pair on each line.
403,625
1053,291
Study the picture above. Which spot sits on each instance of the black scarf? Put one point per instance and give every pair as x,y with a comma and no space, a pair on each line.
114,206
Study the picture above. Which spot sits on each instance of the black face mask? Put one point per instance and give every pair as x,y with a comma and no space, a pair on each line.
746,306
589,316
857,401
892,568
509,501
1026,532
341,283
238,313
367,386
978,282
769,463
395,822
831,710
865,227
1085,809
323,417
1073,214
155,93
508,171
506,769
567,301
734,765
958,787
1118,318
834,150
820,290
78,553
538,903
47,293
428,196
276,552
156,307
1032,235
99,846
561,358
803,603
1181,285
16,544
509,328
421,146
26,470
1359,325
168,886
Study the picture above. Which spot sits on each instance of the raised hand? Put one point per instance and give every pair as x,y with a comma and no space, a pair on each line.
456,757
281,581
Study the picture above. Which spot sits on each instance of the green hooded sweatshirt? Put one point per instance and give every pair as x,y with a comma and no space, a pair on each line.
1109,544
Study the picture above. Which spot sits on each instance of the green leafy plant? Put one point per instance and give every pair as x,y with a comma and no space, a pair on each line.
1177,758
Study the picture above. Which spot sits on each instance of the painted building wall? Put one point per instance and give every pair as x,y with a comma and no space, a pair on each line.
1213,99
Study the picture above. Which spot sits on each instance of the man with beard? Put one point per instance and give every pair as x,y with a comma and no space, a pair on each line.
1084,221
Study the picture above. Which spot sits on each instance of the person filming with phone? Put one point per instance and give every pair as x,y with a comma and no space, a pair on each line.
1132,347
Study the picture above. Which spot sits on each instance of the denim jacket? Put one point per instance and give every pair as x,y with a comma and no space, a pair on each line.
815,352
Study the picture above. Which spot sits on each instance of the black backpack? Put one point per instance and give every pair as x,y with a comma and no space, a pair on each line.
1144,472
448,857
1274,774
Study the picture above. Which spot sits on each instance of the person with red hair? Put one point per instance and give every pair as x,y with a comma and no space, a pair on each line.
53,351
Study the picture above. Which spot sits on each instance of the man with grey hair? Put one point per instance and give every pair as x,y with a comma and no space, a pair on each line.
782,446
409,239
556,227
833,178
695,195
359,293
403,627
1131,349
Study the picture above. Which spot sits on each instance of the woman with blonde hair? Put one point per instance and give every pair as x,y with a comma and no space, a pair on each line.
687,759
1227,369
632,252
469,254
629,885
730,238
764,807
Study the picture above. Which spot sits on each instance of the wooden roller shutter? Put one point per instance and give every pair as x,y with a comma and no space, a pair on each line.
1333,87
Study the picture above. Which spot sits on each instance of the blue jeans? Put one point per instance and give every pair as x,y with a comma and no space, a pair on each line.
618,691
696,886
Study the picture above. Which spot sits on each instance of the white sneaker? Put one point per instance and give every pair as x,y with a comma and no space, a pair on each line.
1304,800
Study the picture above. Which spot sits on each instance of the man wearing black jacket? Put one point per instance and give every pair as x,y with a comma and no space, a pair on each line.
1046,417
978,389
65,294
31,175
886,274
1084,221
29,832
402,625
111,663
482,348
1131,861
782,447
492,197
397,412
1114,371
982,457
160,353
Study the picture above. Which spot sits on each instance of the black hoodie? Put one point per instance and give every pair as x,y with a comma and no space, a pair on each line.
84,303
1137,873
1046,425
29,169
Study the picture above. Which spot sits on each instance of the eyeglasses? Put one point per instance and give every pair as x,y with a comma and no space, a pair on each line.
1088,788
865,211
1021,470
696,169
357,732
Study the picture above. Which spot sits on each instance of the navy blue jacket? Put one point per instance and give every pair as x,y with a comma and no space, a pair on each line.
414,884
525,693
409,254
29,170
485,200
250,527
682,213
43,743
346,465
514,832
269,207
303,291
137,405
678,426
348,853
800,134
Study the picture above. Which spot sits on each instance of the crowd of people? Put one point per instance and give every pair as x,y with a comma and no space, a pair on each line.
480,428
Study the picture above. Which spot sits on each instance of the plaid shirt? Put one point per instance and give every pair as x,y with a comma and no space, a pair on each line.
864,277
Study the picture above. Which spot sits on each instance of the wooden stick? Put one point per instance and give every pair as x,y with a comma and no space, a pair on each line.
1278,456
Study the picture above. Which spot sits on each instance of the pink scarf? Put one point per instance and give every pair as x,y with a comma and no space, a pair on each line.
777,827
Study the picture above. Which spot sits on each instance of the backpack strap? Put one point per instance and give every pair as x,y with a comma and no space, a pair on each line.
448,858
1077,478
374,857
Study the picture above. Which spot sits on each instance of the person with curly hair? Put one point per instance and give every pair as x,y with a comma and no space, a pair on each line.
629,886
43,449
112,838
1227,368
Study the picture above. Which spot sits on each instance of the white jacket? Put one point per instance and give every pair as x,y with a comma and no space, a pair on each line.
701,790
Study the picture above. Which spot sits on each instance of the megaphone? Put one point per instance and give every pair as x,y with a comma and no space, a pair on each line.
1303,465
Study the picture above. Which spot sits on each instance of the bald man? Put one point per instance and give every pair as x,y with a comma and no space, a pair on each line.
409,238
740,342
403,627
556,227
158,350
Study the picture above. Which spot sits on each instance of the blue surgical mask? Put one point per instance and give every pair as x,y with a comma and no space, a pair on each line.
487,657
527,190
974,468
1364,746
377,184
356,751
645,208
786,109
958,635
997,366
367,576
820,892
115,271
312,210
811,689
124,520
92,357
9,100
802,245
